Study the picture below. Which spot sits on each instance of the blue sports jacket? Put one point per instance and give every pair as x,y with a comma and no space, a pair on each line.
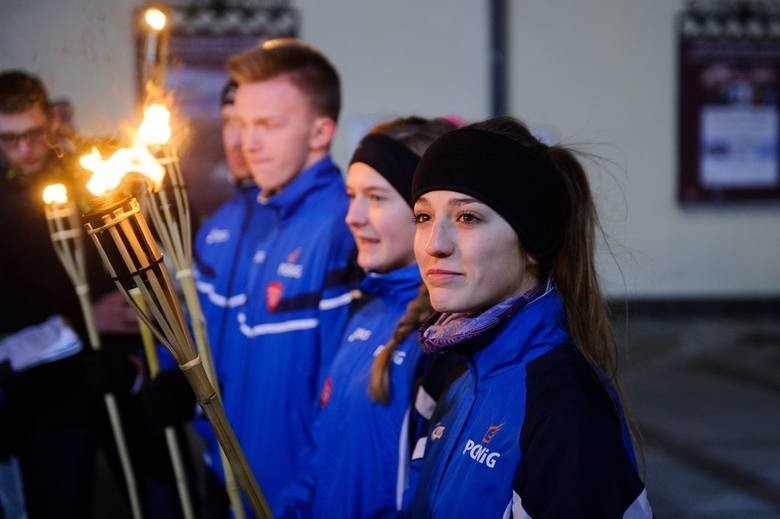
529,430
222,246
278,349
358,467
223,253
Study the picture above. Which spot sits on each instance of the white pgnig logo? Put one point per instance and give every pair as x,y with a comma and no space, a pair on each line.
398,356
217,236
481,454
290,270
360,334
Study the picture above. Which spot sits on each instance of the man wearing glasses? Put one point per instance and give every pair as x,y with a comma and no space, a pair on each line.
48,381
24,124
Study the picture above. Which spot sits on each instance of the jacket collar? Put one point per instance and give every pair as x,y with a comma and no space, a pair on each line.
534,330
397,287
322,174
513,331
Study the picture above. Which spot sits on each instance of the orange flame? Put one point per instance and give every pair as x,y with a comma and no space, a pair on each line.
55,194
155,130
108,174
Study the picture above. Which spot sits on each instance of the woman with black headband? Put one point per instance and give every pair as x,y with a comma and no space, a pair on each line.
358,466
535,426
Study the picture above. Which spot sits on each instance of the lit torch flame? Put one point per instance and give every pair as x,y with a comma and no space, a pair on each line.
108,174
55,194
155,19
155,130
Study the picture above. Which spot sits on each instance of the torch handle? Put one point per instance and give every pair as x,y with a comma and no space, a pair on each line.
174,450
211,405
178,469
200,333
111,406
204,350
124,457
147,338
89,320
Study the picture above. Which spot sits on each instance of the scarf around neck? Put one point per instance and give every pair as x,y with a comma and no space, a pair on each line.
446,330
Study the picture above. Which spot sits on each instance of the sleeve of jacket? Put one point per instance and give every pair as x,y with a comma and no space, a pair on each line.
574,464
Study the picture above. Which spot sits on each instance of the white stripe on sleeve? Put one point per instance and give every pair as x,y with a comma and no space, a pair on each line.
272,328
335,302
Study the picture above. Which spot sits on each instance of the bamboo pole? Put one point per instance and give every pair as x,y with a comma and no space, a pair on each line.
67,239
170,216
133,260
174,449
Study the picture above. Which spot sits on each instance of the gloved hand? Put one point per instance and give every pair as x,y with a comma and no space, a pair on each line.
111,372
168,400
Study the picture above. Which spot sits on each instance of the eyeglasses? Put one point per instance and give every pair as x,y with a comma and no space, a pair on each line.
34,135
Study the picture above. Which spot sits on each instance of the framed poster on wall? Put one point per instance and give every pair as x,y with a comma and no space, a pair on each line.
202,36
729,111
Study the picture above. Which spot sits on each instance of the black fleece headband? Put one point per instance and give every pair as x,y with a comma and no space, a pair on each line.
519,184
391,159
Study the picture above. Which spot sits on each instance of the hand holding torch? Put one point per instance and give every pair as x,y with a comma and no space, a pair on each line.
129,252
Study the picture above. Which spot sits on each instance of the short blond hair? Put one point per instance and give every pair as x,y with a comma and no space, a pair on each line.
306,66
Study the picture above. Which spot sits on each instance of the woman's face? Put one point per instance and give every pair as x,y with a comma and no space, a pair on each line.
469,256
380,220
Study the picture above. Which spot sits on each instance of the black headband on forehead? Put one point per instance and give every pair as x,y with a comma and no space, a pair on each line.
390,158
519,184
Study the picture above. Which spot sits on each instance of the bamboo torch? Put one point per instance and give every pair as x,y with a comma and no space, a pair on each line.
67,237
155,51
169,210
174,450
129,252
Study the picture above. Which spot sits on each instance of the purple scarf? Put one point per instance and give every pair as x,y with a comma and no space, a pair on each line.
443,331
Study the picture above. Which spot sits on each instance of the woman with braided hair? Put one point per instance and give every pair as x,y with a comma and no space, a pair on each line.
358,466
535,426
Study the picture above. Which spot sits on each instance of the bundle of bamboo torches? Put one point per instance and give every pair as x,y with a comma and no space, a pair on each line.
169,211
117,225
134,261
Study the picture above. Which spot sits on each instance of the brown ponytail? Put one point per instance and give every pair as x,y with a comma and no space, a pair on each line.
418,310
573,270
576,279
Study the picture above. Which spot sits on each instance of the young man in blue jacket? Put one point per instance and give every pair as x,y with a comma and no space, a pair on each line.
222,255
222,240
274,356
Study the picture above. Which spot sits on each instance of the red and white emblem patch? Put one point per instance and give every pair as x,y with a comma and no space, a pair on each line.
491,431
273,294
327,389
293,256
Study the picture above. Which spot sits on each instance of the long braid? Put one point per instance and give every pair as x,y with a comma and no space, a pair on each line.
417,133
417,311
